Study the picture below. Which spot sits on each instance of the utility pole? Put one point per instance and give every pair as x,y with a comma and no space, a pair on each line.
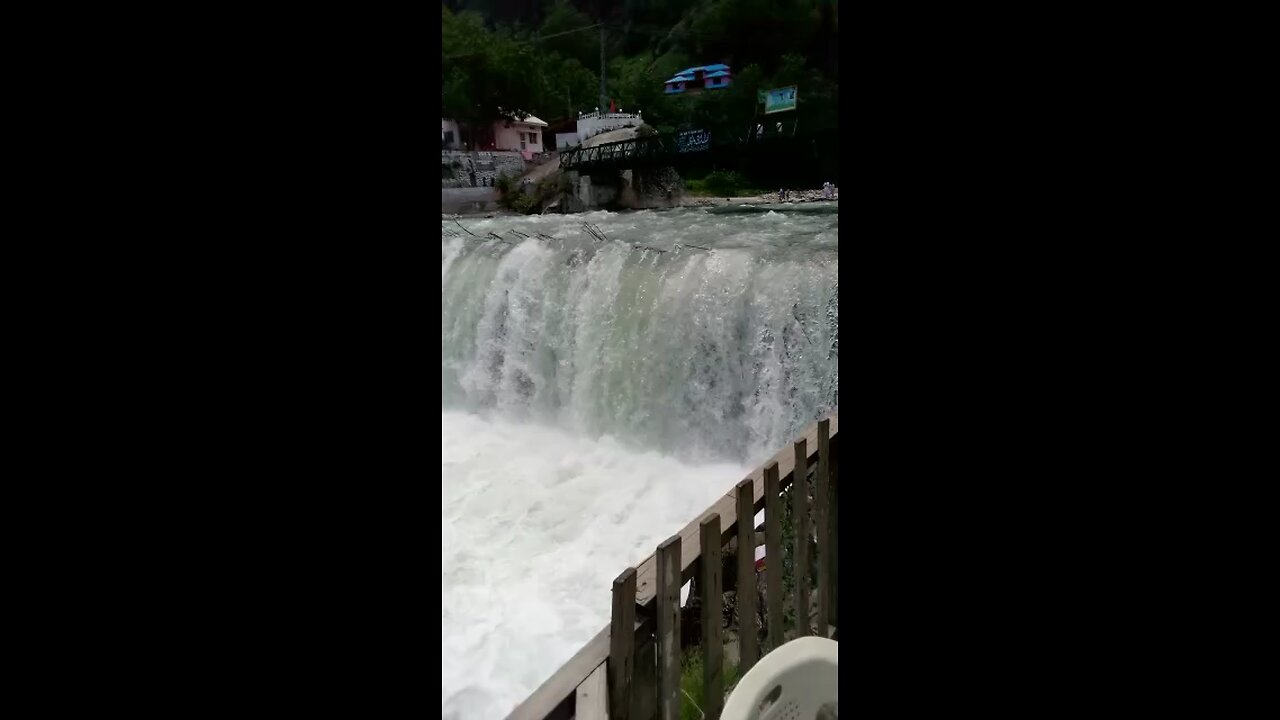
604,100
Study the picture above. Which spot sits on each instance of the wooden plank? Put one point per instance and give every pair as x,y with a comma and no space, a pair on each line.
800,507
592,702
646,573
834,523
773,554
559,689
712,614
556,695
726,508
622,644
747,596
644,684
669,629
822,498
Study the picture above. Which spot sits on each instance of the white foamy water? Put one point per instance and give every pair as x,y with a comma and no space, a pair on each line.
723,350
536,523
710,336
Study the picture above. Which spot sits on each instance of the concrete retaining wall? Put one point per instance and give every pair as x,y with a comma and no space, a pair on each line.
467,200
485,165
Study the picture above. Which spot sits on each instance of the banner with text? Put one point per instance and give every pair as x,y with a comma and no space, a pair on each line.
780,100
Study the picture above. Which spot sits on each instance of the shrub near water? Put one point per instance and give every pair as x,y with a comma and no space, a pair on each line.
722,183
725,182
530,200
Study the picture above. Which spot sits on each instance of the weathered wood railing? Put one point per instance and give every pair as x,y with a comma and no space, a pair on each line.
631,669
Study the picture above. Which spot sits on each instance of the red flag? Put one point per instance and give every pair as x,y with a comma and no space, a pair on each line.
612,106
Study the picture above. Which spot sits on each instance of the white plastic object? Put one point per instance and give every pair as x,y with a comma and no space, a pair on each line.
791,683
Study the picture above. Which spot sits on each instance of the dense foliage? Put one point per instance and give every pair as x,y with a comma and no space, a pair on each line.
535,57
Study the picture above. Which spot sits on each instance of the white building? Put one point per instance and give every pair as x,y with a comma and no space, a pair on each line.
523,136
450,137
594,123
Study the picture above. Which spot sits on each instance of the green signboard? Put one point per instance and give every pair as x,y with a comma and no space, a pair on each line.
780,99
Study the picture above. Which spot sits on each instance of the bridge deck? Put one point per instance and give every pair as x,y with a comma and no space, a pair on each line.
676,149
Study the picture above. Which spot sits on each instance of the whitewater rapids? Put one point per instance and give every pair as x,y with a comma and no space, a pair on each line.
596,397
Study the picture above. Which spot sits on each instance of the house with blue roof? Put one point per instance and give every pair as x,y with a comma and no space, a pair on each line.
696,79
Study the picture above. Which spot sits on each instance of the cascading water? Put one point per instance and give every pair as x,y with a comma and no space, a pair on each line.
725,352
597,396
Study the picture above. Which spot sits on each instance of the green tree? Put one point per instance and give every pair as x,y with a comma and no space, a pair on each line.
482,71
496,63
636,83
743,32
583,45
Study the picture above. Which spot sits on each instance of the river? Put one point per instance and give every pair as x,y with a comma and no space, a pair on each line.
596,395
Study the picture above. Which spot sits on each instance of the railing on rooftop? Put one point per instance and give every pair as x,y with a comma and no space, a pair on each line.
597,115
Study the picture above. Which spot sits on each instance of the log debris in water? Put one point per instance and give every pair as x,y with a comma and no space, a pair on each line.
464,228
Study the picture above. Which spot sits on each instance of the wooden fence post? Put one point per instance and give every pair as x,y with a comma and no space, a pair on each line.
712,613
644,683
622,644
773,554
669,629
822,500
834,523
800,506
747,597
591,701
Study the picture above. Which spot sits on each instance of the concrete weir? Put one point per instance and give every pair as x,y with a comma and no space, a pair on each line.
468,200
624,190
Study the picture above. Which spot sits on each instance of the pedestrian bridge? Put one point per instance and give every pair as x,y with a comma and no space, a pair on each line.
696,146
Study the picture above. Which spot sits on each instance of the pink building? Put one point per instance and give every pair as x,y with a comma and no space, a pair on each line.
523,136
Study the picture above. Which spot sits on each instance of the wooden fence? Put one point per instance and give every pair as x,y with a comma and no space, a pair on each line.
631,669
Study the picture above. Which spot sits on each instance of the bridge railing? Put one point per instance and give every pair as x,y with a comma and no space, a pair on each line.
635,148
762,133
631,669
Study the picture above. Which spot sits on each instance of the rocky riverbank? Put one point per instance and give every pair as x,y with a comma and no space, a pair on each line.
796,197
793,197
802,196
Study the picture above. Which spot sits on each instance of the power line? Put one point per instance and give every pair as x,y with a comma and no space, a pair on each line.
530,42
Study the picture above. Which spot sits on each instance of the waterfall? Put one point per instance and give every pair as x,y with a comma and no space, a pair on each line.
725,352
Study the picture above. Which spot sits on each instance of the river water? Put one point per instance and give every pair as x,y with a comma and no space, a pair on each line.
596,396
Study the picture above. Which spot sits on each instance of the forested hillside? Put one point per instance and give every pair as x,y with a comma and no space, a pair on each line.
544,57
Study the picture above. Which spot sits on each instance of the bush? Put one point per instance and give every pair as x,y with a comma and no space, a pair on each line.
646,131
725,182
523,202
529,199
691,682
